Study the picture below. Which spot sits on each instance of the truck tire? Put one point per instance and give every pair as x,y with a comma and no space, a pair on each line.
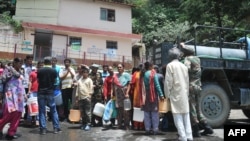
246,112
215,105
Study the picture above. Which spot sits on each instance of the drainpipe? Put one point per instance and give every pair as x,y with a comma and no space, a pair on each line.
15,51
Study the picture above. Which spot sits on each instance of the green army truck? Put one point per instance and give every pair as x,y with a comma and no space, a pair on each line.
225,63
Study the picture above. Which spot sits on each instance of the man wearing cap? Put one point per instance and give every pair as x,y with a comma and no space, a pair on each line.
194,71
96,77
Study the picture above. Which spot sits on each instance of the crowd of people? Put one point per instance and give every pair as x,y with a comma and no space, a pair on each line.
82,88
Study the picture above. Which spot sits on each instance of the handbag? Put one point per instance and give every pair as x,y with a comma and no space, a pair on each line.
164,106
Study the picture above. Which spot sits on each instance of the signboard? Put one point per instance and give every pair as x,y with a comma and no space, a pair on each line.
111,53
26,46
76,46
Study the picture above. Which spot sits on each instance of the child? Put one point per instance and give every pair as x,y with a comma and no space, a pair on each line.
84,91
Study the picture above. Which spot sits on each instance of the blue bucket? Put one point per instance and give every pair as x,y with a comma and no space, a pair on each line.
57,92
58,97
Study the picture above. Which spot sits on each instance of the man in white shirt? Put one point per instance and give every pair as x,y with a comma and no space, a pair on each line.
67,76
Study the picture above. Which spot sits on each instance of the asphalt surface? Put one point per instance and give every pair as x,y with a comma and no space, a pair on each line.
72,132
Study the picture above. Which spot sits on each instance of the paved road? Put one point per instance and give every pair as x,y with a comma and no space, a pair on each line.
71,132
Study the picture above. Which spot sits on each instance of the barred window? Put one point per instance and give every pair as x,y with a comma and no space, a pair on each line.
111,45
75,41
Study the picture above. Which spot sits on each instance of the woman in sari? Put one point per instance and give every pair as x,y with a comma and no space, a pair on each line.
149,96
134,90
124,80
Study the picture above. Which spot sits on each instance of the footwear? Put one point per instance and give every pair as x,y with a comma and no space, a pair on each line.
207,129
83,127
57,130
196,131
155,132
9,137
87,128
136,128
148,132
43,131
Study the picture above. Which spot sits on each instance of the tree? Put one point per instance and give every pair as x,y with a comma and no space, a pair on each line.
221,13
155,20
8,5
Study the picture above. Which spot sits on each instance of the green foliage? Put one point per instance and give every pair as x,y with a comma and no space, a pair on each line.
226,13
164,20
155,20
7,5
7,19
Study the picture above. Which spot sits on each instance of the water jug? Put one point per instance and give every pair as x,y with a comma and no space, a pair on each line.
98,109
127,104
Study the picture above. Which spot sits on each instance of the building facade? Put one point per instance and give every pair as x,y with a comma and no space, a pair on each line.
88,31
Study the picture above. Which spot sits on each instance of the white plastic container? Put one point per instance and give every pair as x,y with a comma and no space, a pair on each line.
138,115
33,106
98,109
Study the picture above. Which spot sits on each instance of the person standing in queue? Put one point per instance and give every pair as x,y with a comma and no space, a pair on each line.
67,76
14,99
124,80
194,69
46,77
96,77
176,88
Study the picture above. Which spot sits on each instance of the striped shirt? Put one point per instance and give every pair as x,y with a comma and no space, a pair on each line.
68,80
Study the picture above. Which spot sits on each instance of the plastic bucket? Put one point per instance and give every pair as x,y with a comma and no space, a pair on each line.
74,115
98,109
138,115
58,100
57,92
33,106
58,97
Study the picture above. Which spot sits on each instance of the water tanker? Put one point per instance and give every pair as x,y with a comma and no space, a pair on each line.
225,72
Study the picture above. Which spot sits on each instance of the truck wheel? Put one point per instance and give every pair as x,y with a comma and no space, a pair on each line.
215,105
246,112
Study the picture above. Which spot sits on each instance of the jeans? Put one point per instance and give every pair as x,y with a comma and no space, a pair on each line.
43,100
151,119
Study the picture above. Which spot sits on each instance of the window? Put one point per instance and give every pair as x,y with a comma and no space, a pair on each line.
111,44
75,41
107,14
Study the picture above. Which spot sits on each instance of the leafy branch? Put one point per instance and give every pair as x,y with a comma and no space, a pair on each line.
7,19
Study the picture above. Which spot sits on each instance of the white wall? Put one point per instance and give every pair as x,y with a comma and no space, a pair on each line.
93,45
40,11
86,13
